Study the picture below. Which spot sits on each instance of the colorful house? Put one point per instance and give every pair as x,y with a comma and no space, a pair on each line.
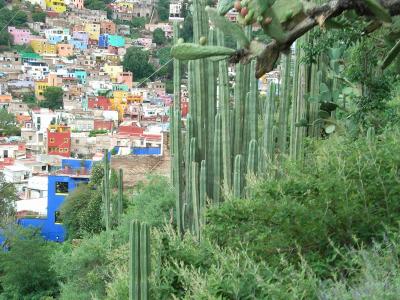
108,27
81,75
21,36
57,6
116,41
79,4
113,71
93,29
73,172
78,44
65,50
41,46
29,56
59,140
126,78
57,35
40,87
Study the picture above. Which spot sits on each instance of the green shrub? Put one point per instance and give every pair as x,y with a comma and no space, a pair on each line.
153,202
345,191
25,271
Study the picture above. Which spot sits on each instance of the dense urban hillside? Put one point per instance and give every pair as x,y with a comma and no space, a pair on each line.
283,143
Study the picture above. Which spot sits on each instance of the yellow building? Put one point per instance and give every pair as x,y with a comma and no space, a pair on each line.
41,46
40,87
113,71
93,29
56,5
119,104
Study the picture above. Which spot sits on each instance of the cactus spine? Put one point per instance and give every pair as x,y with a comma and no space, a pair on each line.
139,266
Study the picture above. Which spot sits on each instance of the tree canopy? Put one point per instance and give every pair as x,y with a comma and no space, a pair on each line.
8,124
53,98
8,197
136,60
159,36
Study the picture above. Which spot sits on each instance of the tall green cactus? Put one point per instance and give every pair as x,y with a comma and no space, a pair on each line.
177,139
237,177
120,203
106,191
284,106
217,159
139,262
195,199
224,109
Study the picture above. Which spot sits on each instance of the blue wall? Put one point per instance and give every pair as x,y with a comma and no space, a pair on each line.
146,151
75,164
51,230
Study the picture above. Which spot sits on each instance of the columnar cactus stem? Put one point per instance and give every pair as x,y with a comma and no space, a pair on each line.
284,107
224,108
211,108
120,206
195,199
134,265
203,192
217,159
268,137
106,192
252,160
177,136
237,177
139,262
144,261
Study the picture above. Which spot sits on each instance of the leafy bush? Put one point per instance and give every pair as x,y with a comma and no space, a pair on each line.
25,271
346,191
154,202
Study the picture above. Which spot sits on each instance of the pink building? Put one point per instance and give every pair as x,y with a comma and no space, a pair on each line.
125,78
78,4
21,36
65,50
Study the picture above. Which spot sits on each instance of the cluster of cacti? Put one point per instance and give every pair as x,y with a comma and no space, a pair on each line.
139,262
231,134
112,209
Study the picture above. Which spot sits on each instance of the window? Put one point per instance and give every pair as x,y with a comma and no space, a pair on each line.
51,140
44,168
61,187
66,150
30,138
61,150
65,140
57,217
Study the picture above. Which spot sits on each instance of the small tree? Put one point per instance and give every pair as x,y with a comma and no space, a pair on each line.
8,197
137,61
138,22
25,268
39,16
8,124
53,98
159,36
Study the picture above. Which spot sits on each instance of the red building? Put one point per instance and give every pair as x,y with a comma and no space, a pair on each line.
59,140
103,125
100,102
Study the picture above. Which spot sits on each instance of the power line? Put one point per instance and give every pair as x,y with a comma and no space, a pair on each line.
155,72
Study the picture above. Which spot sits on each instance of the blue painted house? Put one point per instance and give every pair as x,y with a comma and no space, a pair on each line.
79,44
73,172
81,75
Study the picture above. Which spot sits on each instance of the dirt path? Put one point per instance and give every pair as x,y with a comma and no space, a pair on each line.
137,168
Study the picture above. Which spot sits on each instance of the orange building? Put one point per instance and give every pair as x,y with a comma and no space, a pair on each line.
65,50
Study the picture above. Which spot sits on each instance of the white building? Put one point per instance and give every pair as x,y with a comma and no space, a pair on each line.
175,9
